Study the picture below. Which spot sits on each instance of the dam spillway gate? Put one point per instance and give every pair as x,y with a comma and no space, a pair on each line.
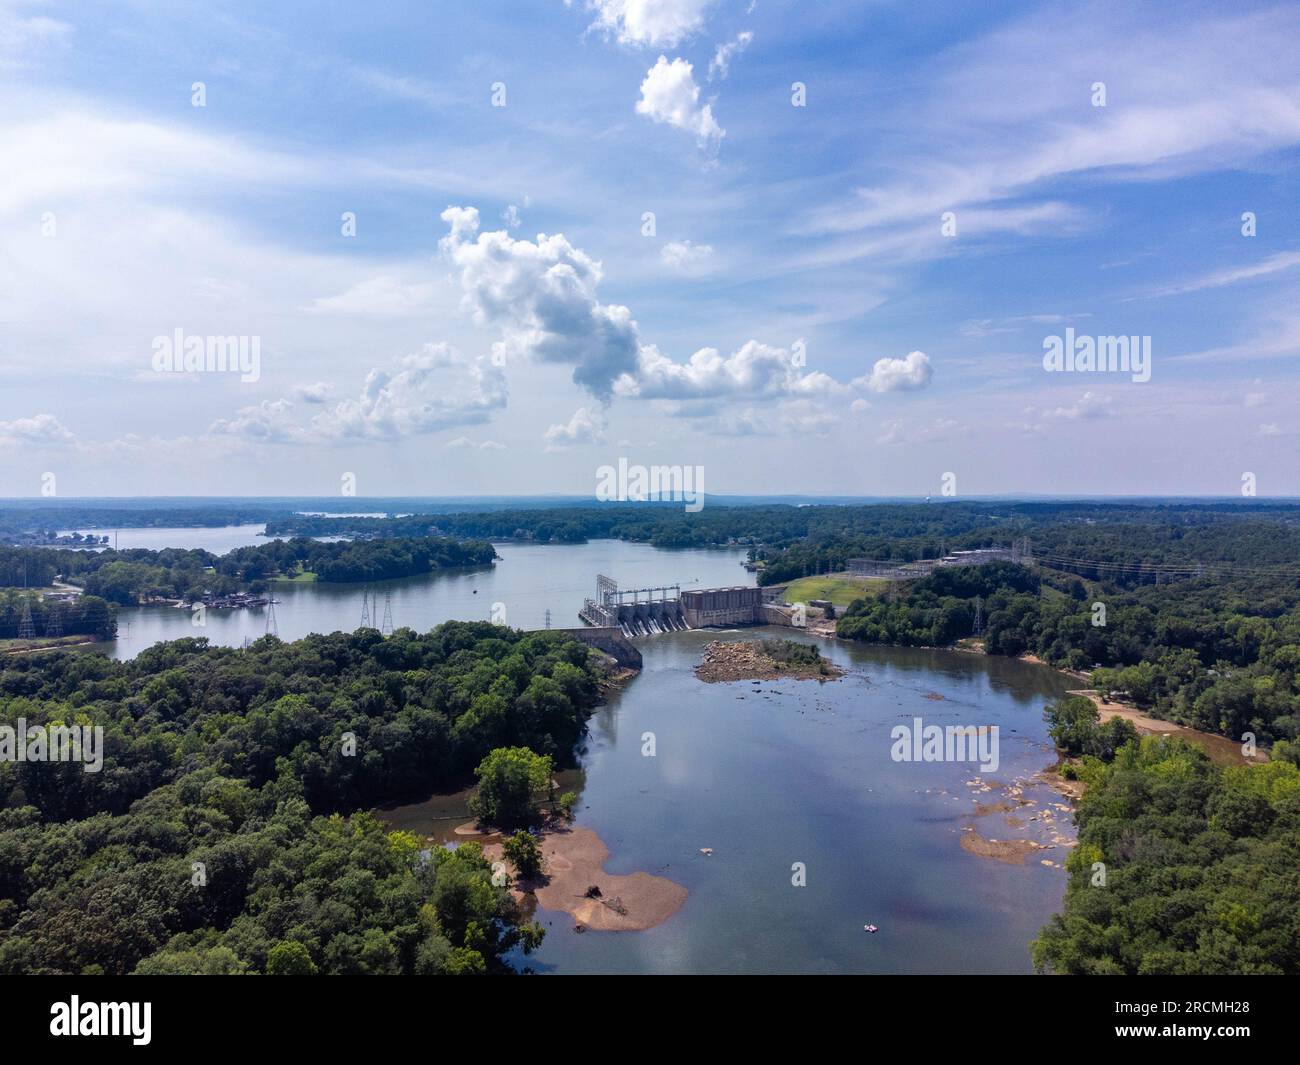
650,611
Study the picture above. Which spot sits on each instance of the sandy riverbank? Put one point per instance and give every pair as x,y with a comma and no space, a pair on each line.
574,861
1219,748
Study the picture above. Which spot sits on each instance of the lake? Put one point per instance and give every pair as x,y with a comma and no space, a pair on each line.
528,580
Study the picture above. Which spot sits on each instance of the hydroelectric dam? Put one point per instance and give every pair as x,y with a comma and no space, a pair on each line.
650,611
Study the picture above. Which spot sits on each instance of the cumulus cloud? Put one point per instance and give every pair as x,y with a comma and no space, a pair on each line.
542,298
720,64
685,256
38,431
587,426
898,375
753,371
316,392
1089,405
658,23
271,421
436,388
670,96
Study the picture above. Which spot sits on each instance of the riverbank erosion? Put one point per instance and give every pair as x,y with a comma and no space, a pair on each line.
574,881
764,660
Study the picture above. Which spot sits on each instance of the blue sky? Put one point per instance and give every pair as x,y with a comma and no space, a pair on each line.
501,322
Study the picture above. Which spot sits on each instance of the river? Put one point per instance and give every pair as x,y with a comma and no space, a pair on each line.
765,775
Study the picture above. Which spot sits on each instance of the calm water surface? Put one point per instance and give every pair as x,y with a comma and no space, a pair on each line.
528,580
801,772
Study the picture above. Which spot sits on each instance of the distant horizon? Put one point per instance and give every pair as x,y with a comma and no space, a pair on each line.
353,501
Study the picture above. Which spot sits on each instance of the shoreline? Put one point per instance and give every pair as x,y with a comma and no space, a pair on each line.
1219,748
574,881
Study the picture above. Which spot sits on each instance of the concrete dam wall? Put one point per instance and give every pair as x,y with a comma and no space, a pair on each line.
649,611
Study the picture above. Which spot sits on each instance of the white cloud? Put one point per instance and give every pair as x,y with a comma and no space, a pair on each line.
542,298
437,388
316,392
1209,92
753,371
587,426
270,421
1283,260
898,375
669,95
464,443
1089,405
658,23
685,256
720,64
41,431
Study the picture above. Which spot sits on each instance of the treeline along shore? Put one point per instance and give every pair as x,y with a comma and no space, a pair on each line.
138,575
227,830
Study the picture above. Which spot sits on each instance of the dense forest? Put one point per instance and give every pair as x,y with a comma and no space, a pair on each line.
126,577
1134,541
227,829
1217,654
86,615
1183,867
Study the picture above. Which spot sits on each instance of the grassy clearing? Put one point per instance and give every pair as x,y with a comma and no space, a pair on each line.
838,589
297,578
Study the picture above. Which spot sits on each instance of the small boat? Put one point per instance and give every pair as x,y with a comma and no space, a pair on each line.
873,929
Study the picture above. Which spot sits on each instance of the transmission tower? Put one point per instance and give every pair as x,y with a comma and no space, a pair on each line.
272,629
386,627
978,627
365,610
548,617
54,621
26,630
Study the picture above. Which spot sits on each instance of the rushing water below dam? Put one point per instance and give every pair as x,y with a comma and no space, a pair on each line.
766,774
